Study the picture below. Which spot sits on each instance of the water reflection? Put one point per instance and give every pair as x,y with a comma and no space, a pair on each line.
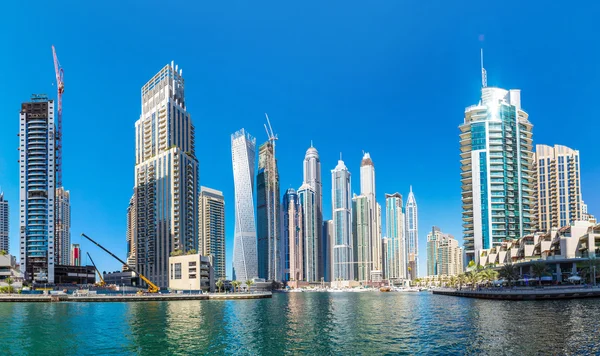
310,323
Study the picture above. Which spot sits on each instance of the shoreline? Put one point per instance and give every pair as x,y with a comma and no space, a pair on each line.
16,298
528,294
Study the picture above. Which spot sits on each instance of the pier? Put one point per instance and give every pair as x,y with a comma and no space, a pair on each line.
16,298
524,294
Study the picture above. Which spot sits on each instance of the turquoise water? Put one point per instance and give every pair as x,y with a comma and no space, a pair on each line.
310,323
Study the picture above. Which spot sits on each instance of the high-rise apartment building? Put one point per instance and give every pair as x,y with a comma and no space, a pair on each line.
63,227
310,232
386,266
328,250
293,269
312,177
412,235
559,201
396,244
343,260
4,224
361,238
211,233
243,154
166,176
497,171
444,256
37,161
367,189
131,234
267,214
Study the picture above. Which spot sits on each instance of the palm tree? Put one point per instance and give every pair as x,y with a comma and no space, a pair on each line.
219,284
509,272
538,270
452,281
236,285
3,253
588,270
473,278
9,281
249,283
462,278
488,275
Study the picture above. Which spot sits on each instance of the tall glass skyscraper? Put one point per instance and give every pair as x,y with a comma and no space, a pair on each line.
4,224
328,249
412,235
293,268
497,171
243,154
211,233
343,260
312,177
361,238
396,244
310,232
268,211
38,188
559,201
166,176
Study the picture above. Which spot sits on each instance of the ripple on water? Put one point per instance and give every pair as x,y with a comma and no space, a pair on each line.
305,323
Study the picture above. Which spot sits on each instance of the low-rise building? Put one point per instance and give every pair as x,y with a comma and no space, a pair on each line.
191,272
8,268
127,278
64,274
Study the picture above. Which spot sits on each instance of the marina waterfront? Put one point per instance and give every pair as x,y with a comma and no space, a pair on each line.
310,323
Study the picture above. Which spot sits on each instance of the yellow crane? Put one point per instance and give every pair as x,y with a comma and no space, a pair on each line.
101,283
152,288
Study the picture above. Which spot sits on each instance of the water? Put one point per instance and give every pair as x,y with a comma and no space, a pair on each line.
368,323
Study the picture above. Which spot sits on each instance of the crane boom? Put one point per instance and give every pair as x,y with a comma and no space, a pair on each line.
102,283
60,88
152,288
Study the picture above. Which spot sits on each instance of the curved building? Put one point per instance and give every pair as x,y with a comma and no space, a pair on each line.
243,153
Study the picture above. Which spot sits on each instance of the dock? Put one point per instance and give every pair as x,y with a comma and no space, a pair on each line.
524,294
16,298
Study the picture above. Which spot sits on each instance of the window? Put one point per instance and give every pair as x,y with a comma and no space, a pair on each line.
192,276
177,270
192,264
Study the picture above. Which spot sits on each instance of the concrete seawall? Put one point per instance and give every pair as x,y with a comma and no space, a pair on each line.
128,298
534,294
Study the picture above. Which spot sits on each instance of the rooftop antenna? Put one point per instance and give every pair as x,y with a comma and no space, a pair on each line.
311,144
483,73
340,156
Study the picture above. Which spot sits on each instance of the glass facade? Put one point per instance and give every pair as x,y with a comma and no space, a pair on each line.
342,224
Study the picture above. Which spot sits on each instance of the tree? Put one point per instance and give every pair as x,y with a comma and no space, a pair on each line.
249,283
473,278
488,275
538,270
191,252
236,285
219,284
592,265
3,253
452,281
509,272
176,253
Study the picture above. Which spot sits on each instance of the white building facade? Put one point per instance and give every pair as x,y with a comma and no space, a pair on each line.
63,227
412,235
312,177
211,233
245,258
396,244
166,176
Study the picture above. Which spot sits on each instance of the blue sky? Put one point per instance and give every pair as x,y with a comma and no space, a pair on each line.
388,77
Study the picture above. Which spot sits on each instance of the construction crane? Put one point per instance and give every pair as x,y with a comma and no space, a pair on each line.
101,283
60,87
152,288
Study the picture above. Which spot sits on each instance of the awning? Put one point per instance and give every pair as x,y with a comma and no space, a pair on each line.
574,278
546,278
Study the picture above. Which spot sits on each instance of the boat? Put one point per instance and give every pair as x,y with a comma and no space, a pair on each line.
385,289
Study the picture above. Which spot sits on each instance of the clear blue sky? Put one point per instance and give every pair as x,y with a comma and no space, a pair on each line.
390,77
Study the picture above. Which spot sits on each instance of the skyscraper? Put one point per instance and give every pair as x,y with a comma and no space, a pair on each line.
444,256
293,237
559,201
343,260
38,188
166,176
396,244
361,238
4,224
211,233
312,177
412,235
367,189
267,211
75,255
245,259
497,171
63,227
131,234
328,249
310,232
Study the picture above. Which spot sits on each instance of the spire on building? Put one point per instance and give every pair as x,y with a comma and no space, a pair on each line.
483,73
